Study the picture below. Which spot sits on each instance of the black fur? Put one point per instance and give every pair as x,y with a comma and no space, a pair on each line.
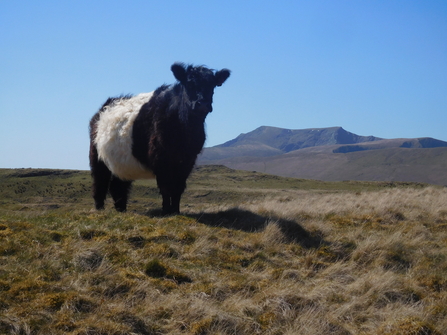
168,134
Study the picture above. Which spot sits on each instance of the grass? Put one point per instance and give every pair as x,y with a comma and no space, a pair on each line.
251,254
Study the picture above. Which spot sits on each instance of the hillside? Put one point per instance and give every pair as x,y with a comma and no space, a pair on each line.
269,141
251,254
333,154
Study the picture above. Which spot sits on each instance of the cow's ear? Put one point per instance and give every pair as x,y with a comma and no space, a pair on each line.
179,71
221,76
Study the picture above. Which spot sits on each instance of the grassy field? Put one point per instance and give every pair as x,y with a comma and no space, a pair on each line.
250,254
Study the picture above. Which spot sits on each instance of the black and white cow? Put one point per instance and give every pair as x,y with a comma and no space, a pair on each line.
152,135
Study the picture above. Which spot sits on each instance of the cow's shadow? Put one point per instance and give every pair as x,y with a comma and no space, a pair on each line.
244,220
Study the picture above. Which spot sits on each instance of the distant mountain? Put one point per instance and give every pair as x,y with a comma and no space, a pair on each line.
333,154
288,140
270,141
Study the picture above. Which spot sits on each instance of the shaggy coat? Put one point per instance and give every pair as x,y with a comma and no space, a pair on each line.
152,135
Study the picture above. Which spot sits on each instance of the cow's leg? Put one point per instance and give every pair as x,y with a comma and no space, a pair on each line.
176,192
167,200
178,186
119,189
164,183
101,178
166,206
175,203
172,184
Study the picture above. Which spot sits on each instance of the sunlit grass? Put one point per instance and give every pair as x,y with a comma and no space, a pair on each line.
264,259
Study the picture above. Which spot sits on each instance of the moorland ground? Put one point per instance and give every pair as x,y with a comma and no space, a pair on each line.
250,254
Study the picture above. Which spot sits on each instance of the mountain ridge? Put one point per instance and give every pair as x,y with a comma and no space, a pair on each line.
332,154
288,140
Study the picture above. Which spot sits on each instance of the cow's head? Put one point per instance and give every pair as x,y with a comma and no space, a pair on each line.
199,83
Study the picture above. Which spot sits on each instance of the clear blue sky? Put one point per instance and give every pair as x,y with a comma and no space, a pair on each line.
373,67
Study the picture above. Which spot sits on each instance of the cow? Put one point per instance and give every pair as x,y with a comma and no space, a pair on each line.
152,135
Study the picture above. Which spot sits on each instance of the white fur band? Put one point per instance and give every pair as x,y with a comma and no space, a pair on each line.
114,138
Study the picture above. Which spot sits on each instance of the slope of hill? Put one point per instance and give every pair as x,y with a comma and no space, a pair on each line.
333,154
269,141
389,164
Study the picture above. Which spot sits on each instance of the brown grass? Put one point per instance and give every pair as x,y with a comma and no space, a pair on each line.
289,261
